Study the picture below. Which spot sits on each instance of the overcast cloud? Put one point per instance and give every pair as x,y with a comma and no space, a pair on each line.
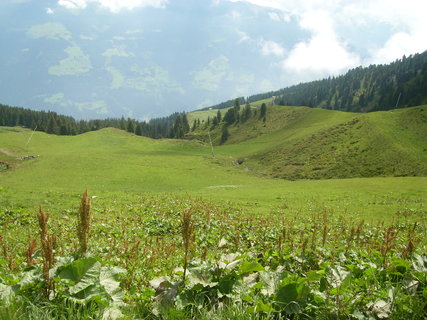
153,57
329,50
113,5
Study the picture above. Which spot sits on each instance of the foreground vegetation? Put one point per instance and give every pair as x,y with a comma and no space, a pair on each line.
180,257
174,232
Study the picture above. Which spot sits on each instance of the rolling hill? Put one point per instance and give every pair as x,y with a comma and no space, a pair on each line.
306,143
114,163
140,189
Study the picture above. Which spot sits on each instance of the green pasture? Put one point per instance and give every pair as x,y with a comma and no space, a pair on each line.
339,246
111,163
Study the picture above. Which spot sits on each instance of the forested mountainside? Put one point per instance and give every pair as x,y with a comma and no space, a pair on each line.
51,122
402,83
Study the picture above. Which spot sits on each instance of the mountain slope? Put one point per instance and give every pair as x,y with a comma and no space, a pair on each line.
306,143
402,83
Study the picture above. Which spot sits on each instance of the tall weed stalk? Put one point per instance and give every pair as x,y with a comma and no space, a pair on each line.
187,226
84,222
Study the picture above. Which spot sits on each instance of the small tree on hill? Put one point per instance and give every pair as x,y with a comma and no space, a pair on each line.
263,110
138,130
214,122
237,105
219,116
225,134
130,127
246,113
52,125
230,116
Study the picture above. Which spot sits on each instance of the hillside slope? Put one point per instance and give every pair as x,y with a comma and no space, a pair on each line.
307,143
363,89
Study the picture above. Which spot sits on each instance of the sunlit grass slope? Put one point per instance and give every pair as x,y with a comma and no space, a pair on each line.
117,166
111,159
307,143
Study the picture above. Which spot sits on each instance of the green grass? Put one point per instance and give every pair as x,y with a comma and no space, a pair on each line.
306,143
110,161
140,188
204,115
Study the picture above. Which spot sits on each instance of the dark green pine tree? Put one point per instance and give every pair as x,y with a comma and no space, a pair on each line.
185,124
122,124
214,122
52,125
263,110
219,116
246,114
230,116
138,130
237,105
224,135
130,127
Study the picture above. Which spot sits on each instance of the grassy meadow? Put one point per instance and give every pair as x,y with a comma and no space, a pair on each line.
256,246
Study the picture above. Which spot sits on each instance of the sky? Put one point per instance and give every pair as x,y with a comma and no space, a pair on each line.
149,58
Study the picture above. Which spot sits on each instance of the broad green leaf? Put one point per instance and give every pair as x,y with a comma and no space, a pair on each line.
336,275
225,286
201,275
319,297
287,294
90,292
160,282
31,277
323,284
84,273
112,313
314,275
262,307
166,293
292,307
269,280
247,298
252,266
76,270
420,263
358,315
401,266
60,263
251,280
108,278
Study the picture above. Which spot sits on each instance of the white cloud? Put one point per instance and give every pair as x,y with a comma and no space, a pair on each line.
73,4
272,48
408,20
323,54
274,16
83,37
263,3
235,15
135,31
401,43
243,36
404,19
49,11
113,5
